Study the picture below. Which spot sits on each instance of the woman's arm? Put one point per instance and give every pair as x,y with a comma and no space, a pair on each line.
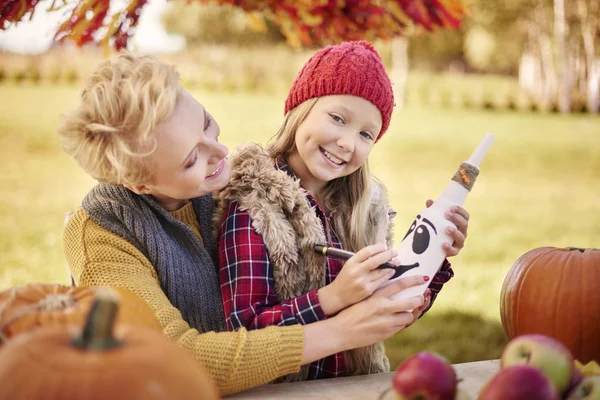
235,360
247,282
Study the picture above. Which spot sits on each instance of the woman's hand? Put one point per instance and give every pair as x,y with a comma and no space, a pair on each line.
379,317
417,312
366,322
460,217
358,279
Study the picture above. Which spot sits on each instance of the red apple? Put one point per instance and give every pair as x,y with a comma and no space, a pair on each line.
425,376
587,389
519,382
544,353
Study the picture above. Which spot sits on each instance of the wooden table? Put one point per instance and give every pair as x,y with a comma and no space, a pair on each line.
364,387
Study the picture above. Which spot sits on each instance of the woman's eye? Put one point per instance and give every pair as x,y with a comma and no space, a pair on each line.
191,164
207,122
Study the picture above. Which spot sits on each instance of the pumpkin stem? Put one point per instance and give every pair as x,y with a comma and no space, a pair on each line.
97,334
581,250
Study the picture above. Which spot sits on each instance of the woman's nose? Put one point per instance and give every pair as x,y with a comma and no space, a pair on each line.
216,150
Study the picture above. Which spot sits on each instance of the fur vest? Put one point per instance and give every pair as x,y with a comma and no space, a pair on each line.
281,213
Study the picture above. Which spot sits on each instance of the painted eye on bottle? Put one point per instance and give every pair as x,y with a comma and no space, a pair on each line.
421,240
412,228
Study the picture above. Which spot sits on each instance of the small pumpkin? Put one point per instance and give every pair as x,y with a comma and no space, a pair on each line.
27,307
555,292
100,361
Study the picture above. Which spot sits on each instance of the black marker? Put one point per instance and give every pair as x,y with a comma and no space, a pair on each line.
345,254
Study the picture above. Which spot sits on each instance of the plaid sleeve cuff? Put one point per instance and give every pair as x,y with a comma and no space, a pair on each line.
308,308
444,275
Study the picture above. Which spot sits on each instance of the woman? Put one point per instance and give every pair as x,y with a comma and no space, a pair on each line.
147,227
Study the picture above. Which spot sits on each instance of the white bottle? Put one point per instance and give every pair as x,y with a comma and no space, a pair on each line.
421,252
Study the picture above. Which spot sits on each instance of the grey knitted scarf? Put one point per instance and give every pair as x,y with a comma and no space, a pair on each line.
185,268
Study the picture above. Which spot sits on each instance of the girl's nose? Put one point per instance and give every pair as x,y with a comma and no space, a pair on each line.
346,142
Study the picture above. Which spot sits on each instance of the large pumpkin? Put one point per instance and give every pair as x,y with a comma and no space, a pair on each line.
555,292
30,306
101,361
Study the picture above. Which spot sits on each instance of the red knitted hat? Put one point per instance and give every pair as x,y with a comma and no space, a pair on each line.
353,68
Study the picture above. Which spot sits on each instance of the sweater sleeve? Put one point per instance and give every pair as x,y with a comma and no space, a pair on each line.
236,360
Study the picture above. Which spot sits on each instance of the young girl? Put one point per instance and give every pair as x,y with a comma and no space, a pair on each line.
313,186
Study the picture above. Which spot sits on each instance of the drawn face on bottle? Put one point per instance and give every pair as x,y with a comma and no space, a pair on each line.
421,230
421,235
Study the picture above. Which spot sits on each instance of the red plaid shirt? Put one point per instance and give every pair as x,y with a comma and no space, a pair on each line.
248,285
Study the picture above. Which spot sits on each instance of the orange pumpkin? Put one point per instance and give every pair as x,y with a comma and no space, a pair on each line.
555,292
30,306
100,362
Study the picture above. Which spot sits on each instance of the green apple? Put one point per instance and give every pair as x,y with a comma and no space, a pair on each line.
587,389
543,352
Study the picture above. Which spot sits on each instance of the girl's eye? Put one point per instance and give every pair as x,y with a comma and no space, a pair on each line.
191,164
207,122
337,118
366,135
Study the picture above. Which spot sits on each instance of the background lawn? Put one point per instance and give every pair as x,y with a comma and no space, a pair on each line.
539,186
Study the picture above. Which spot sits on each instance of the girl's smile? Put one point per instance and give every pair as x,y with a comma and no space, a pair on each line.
335,161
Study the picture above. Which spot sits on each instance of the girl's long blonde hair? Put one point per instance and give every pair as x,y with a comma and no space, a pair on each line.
347,201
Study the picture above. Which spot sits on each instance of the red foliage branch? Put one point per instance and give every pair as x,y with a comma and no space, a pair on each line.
303,22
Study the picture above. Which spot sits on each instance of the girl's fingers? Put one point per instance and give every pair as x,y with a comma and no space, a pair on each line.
461,211
458,220
375,261
381,278
368,252
449,249
458,236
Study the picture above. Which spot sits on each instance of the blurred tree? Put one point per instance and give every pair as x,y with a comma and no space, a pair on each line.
197,22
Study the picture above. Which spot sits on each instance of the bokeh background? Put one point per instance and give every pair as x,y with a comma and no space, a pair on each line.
527,71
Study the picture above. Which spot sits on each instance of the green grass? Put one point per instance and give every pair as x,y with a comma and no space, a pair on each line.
539,186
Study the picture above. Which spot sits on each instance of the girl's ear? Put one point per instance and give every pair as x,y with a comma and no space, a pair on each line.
139,189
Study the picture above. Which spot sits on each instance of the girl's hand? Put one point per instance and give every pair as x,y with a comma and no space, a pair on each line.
379,317
358,279
460,217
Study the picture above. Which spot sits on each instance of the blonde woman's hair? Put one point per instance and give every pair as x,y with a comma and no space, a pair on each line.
346,199
113,130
